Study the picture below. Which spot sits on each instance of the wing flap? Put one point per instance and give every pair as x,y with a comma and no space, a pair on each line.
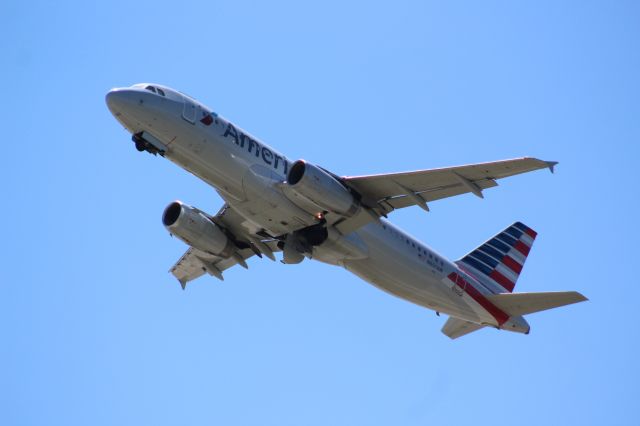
188,268
437,193
390,191
195,263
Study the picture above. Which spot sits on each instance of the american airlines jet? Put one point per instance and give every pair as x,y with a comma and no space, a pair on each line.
298,208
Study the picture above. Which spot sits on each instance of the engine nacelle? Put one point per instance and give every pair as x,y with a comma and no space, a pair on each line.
321,189
195,229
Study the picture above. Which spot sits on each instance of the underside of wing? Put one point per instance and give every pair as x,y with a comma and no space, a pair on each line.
195,263
387,192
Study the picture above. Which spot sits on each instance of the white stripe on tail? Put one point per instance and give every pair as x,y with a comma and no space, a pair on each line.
498,262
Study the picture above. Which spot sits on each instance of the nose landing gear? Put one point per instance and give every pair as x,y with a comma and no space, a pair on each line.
144,145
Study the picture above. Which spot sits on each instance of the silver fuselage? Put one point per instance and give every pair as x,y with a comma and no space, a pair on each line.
249,176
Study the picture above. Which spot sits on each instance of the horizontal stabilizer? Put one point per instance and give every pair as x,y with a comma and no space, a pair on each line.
528,303
455,327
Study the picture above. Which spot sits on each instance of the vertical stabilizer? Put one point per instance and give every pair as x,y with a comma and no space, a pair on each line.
499,261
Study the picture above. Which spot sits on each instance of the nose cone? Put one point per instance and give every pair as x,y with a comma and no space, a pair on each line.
138,109
118,100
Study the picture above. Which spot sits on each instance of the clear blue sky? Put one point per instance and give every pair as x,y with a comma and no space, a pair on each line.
95,331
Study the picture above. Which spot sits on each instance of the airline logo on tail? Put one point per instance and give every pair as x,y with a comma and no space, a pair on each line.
499,261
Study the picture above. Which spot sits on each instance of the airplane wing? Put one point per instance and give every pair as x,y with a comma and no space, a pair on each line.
387,192
195,263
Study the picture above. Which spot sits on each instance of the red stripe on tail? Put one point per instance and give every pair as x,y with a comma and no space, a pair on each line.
512,264
502,280
522,248
500,316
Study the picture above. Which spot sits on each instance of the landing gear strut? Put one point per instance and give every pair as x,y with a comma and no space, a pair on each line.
300,243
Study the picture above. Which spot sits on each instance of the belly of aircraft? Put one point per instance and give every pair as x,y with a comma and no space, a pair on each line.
396,272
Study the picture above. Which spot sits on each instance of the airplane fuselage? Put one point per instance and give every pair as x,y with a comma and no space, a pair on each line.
249,176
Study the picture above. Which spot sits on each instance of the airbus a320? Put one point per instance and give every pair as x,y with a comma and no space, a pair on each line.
301,210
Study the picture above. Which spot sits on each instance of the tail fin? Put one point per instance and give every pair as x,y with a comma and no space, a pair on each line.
499,261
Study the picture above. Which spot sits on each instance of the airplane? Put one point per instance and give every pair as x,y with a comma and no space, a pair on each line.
302,210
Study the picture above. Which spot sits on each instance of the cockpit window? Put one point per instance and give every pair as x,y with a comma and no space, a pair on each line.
157,90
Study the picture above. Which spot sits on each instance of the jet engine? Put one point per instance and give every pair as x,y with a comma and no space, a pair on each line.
196,229
321,189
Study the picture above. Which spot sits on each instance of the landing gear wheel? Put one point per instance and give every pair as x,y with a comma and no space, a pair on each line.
140,145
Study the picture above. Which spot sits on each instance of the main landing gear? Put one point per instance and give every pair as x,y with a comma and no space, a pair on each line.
144,145
299,244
